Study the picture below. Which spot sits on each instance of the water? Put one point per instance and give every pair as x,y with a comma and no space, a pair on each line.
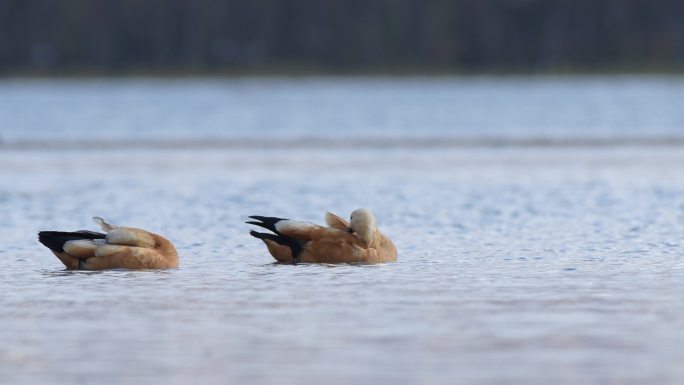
343,107
530,265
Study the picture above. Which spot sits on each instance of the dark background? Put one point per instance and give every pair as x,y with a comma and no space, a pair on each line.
340,36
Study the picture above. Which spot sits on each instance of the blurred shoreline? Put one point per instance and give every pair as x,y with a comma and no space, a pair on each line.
674,69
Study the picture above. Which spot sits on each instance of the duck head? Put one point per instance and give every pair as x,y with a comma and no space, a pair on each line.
362,222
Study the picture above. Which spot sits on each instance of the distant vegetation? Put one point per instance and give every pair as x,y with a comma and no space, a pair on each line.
243,36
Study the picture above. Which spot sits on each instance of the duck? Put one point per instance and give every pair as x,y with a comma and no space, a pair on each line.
116,248
358,241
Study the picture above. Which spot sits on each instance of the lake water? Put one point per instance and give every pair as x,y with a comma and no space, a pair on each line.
562,107
518,262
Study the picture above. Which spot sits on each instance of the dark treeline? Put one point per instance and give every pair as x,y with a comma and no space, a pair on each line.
121,36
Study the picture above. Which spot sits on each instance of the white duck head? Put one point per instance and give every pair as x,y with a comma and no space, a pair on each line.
362,222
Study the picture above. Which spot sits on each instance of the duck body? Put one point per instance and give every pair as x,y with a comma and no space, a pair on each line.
294,242
117,248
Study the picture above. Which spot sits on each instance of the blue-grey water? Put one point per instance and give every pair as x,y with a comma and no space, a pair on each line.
619,106
517,264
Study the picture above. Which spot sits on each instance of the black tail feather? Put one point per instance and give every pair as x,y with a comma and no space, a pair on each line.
266,222
269,223
255,223
272,237
55,240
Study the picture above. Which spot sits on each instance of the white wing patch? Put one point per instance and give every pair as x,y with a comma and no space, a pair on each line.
82,247
292,226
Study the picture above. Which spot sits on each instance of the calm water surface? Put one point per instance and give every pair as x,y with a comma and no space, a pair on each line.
516,265
559,107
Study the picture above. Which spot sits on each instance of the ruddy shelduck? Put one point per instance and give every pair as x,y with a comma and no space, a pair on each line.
117,248
356,241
